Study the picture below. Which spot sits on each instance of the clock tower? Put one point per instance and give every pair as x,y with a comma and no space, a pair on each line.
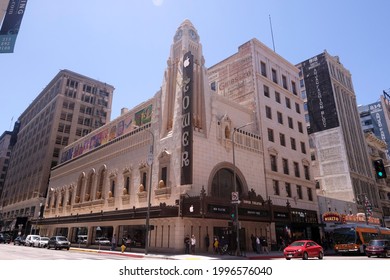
185,41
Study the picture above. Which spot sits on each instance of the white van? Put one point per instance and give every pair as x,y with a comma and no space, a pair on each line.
30,239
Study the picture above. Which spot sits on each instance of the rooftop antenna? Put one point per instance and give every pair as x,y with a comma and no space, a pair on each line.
272,33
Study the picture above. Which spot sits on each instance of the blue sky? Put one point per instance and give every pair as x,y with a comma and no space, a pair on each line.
126,42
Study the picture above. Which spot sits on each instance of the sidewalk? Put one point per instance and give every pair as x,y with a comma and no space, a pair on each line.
201,256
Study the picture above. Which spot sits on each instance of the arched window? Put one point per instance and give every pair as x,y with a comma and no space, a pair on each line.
222,184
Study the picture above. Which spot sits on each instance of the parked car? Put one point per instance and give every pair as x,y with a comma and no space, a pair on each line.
102,241
20,240
58,242
41,242
30,239
5,238
379,248
82,239
303,249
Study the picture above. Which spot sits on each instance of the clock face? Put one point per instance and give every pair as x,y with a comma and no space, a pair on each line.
193,34
178,35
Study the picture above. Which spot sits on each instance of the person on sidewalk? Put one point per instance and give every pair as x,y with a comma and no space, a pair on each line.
258,245
187,242
193,244
264,245
113,243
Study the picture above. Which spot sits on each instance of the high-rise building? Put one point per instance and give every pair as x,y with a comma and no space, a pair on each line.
210,144
375,118
342,167
69,107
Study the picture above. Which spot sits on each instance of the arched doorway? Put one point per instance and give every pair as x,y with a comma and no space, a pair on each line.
222,184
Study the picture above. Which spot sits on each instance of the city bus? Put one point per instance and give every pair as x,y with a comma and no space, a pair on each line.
353,238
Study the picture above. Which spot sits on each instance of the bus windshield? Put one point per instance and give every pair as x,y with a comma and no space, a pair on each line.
344,235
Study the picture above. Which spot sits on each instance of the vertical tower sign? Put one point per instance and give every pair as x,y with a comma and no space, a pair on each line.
320,96
186,126
11,24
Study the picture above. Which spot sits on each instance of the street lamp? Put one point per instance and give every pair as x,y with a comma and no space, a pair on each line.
238,249
150,163
366,204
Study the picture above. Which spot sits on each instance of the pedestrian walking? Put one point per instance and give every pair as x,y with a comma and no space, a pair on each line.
193,244
216,245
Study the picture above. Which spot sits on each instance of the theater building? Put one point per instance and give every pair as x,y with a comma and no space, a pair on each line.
198,148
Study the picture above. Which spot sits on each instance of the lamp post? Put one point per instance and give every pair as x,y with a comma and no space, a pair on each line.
150,163
238,249
366,204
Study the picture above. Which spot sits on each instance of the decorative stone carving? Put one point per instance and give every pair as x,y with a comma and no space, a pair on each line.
161,184
99,195
124,191
141,188
77,199
109,194
87,197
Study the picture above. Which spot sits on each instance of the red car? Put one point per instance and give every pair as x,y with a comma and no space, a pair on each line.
303,249
379,248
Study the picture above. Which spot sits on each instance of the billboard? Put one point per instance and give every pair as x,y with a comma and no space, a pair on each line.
379,122
320,96
11,24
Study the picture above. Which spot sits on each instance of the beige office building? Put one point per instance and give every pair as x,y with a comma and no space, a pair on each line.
209,140
68,108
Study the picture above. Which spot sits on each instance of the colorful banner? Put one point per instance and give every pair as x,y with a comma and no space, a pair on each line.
11,24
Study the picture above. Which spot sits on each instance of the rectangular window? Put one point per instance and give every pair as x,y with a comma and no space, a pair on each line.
268,112
284,81
276,187
294,87
290,123
164,175
274,76
310,194
293,144
263,67
300,127
307,172
274,166
277,96
282,139
270,135
288,189
266,90
288,103
285,166
296,169
280,117
297,108
299,192
303,147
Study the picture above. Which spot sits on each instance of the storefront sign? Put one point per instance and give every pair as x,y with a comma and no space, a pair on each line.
331,217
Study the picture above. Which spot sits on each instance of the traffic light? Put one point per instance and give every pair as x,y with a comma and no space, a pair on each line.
233,213
380,169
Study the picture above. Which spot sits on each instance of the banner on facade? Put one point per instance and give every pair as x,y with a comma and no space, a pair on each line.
320,96
11,24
